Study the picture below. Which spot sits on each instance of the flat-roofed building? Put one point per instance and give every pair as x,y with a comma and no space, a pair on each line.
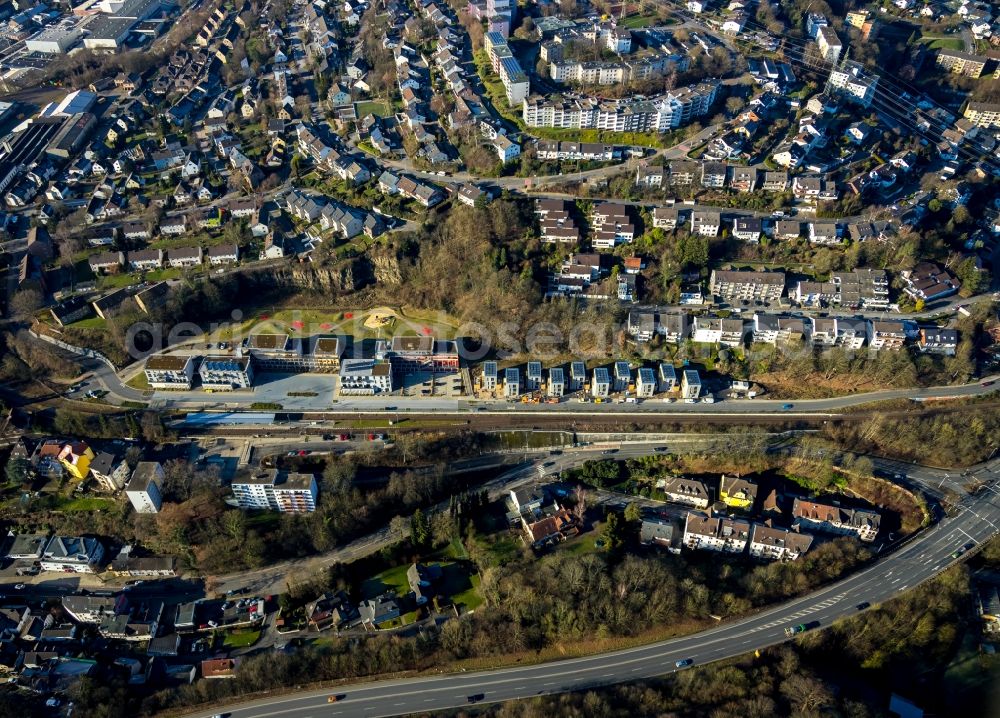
645,385
490,376
533,376
557,382
168,371
412,354
284,354
226,373
747,285
690,384
623,376
278,491
144,490
511,383
577,376
365,377
600,387
667,377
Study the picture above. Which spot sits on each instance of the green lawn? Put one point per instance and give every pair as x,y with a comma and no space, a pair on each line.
139,381
84,505
950,43
636,21
467,599
393,579
379,109
241,639
581,544
94,322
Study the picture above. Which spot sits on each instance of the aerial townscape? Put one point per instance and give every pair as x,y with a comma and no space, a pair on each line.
535,359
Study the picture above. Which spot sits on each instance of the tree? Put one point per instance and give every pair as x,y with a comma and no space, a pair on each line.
613,532
734,104
420,530
18,470
152,427
26,302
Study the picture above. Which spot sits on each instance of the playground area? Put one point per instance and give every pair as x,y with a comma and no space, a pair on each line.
370,324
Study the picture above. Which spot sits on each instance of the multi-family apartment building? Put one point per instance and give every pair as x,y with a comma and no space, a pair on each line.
676,108
777,544
645,384
365,377
738,285
961,63
225,373
511,383
852,81
277,491
706,223
145,489
600,385
983,114
690,492
557,382
712,533
886,334
717,330
829,44
690,384
168,371
862,288
489,378
831,518
773,329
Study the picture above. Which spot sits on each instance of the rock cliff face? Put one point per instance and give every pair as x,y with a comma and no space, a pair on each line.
385,268
329,279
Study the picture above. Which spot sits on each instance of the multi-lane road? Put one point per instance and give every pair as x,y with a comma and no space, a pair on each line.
968,522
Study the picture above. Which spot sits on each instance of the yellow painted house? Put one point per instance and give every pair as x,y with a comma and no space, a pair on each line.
736,492
75,457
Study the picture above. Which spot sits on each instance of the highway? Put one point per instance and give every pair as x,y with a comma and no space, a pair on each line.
969,522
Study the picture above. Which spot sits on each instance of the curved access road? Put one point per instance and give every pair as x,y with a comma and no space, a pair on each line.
971,521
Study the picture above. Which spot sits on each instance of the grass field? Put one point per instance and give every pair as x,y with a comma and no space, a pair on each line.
379,109
94,322
85,504
943,42
139,381
393,579
636,21
241,639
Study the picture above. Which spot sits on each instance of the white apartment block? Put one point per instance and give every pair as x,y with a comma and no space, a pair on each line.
277,491
557,382
690,384
775,544
144,490
716,533
646,384
600,387
735,285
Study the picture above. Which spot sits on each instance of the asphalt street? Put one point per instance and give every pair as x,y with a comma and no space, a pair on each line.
971,521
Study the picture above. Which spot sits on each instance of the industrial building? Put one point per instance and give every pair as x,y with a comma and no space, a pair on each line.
56,39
